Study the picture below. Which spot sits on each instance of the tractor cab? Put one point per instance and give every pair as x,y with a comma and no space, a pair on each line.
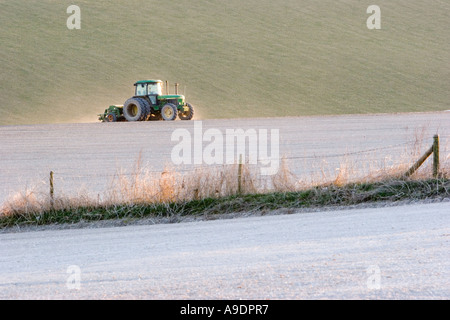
149,88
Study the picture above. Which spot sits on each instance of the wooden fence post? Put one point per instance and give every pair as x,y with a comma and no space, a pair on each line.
436,156
52,190
433,150
419,162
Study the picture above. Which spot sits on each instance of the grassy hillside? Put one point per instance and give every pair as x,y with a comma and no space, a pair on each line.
251,58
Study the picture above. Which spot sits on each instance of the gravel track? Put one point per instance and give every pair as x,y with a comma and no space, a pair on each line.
396,252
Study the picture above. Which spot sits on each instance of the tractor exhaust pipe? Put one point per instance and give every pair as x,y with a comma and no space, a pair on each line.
176,88
167,87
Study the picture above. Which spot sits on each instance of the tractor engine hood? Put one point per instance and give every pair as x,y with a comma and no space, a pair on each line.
171,96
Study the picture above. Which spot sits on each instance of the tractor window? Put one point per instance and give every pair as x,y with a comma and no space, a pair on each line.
154,88
141,89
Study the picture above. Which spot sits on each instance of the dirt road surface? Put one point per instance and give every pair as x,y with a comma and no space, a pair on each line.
399,252
87,156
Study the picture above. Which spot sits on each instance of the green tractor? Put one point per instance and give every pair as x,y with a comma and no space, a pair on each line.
149,103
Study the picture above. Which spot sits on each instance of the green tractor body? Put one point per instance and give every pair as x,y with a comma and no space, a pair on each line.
149,103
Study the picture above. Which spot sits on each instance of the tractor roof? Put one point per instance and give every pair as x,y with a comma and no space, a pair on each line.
147,81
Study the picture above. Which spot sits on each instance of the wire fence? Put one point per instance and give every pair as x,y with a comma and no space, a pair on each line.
311,169
192,168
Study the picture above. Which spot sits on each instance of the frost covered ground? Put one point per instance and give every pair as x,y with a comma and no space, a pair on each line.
392,252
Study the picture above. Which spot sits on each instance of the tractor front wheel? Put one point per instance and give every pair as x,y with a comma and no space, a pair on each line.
169,112
186,114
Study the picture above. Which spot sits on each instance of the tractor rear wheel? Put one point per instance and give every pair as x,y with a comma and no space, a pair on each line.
186,115
136,109
169,112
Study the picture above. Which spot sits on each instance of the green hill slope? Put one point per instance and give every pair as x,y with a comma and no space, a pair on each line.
251,58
